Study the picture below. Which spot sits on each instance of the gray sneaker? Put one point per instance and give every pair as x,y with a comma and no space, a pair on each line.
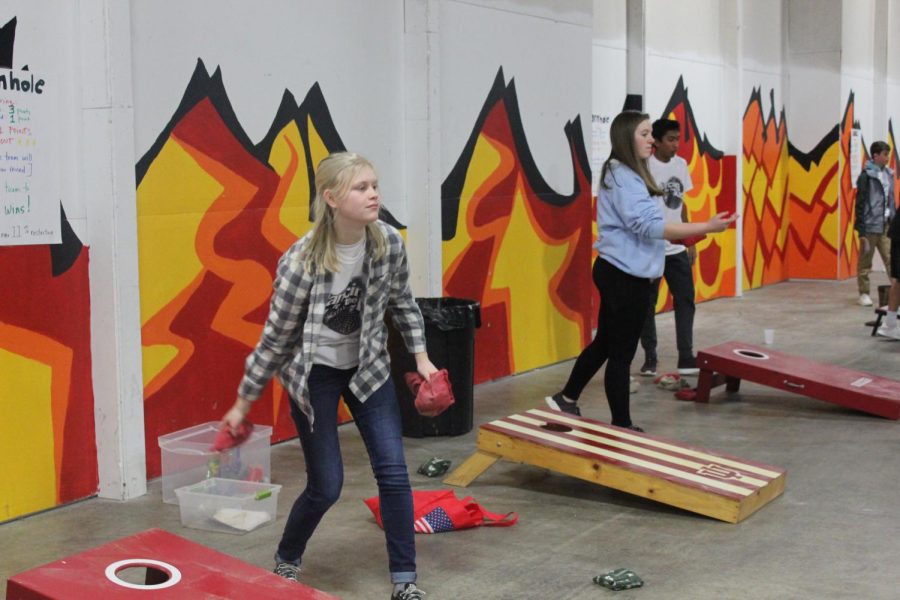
409,592
289,571
557,402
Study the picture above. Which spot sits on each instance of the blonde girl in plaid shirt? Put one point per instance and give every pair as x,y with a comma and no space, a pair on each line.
346,207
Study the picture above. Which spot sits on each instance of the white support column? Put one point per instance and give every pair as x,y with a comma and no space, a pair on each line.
636,80
737,109
422,115
108,186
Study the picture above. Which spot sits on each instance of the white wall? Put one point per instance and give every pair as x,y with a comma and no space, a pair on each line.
893,64
763,47
857,64
815,100
353,49
687,40
545,48
609,58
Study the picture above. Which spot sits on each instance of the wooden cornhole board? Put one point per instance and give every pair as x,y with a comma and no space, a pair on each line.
194,571
730,362
691,478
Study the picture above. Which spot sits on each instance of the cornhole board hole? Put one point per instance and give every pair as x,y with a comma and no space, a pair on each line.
176,569
716,485
731,362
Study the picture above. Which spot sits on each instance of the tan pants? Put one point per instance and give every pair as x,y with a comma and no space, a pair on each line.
864,266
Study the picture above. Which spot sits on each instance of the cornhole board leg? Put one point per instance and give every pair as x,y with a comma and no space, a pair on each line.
176,569
732,361
709,380
473,466
715,485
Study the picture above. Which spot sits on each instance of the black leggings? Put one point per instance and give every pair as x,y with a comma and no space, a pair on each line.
623,307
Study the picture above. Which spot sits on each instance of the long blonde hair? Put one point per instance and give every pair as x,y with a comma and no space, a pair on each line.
621,134
336,173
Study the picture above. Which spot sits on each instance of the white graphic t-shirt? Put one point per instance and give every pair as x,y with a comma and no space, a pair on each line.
338,340
675,180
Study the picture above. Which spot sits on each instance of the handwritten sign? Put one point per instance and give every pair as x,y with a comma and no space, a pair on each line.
29,168
600,146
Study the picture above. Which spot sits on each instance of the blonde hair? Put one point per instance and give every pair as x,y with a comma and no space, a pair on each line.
336,173
621,135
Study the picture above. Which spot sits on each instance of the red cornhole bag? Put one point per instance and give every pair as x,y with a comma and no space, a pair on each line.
436,511
433,396
225,439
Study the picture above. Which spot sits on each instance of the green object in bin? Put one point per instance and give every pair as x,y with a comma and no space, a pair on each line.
262,495
619,579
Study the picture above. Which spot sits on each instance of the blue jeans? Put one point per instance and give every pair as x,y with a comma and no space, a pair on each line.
378,421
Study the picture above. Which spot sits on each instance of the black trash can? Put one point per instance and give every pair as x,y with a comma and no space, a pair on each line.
450,325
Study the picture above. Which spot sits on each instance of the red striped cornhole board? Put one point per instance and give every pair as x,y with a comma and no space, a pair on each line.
730,362
709,483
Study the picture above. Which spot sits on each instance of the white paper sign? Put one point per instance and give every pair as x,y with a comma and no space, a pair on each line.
600,147
856,154
29,168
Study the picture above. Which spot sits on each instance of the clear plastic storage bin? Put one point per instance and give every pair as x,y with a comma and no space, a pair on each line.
227,505
187,457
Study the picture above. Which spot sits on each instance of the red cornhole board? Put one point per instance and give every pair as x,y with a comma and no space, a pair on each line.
708,483
730,362
195,571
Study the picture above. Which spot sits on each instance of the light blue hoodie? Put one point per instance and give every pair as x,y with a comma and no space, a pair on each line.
630,224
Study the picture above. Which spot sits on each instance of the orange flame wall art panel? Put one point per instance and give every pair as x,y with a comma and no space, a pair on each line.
849,246
46,394
812,205
516,246
47,437
765,194
215,212
712,174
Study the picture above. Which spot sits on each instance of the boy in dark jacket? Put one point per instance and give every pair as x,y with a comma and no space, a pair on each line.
874,211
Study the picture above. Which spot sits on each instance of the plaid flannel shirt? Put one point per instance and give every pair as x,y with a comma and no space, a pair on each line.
296,312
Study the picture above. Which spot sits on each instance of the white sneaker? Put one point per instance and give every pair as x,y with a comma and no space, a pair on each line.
864,300
889,332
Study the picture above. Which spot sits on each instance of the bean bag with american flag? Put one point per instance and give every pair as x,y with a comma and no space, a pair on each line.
437,511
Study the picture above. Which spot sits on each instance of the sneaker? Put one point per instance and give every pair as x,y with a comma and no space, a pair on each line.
648,369
889,332
864,300
635,428
289,571
409,592
633,386
557,402
688,366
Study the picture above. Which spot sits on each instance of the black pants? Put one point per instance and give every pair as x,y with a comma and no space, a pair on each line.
681,283
623,308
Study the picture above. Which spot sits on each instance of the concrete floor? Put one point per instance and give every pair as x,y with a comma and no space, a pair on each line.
835,533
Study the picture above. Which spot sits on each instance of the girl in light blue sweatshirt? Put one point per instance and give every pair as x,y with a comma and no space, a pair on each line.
631,254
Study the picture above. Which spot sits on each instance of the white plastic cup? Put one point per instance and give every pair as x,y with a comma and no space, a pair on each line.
769,336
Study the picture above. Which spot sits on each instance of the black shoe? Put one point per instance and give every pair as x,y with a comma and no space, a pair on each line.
557,402
648,369
635,428
409,592
687,365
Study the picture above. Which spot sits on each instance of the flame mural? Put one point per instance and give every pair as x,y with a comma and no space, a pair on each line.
215,212
713,175
849,249
46,397
516,246
765,194
812,205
